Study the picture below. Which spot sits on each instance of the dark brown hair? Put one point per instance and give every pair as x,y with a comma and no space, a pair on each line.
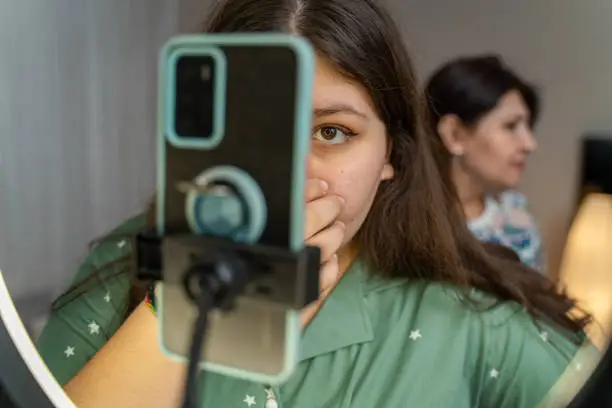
416,227
471,86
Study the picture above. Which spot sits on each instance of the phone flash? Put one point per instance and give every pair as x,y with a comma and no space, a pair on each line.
205,73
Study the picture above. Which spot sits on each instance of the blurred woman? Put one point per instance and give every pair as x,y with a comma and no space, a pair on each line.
484,114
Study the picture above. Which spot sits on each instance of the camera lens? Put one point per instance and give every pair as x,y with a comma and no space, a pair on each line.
195,95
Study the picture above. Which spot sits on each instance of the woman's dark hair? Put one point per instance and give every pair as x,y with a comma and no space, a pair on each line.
415,228
470,87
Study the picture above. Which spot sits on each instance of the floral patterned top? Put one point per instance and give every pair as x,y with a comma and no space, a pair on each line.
506,220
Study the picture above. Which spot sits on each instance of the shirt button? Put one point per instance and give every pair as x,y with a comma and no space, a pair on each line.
271,403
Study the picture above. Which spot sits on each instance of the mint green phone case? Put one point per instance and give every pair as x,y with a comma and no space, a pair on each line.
236,127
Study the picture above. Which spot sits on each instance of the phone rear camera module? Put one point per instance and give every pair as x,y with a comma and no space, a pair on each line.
195,96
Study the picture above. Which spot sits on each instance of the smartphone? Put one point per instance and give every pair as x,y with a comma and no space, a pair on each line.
234,117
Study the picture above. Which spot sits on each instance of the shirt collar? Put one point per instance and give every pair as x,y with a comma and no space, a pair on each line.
343,319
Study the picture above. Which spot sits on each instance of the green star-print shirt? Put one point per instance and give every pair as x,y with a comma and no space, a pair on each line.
375,343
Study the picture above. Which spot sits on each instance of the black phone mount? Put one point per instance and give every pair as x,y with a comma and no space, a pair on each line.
288,278
214,272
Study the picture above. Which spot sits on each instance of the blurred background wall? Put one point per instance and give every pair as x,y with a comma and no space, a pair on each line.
77,117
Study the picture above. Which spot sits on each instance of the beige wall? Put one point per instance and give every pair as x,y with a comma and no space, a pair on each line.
192,13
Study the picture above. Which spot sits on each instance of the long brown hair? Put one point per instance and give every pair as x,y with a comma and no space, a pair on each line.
416,227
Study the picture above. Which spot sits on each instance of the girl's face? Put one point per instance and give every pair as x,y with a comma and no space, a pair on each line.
349,144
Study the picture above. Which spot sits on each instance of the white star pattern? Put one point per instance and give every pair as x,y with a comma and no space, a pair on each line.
94,328
107,297
544,336
69,352
121,243
494,373
415,335
249,400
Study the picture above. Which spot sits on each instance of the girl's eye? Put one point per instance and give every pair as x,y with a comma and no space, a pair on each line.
332,134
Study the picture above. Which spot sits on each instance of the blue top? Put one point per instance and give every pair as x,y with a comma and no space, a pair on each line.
506,220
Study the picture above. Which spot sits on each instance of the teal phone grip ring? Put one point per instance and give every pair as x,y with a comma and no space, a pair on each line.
227,202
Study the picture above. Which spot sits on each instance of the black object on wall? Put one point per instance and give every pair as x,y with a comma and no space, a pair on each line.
596,164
